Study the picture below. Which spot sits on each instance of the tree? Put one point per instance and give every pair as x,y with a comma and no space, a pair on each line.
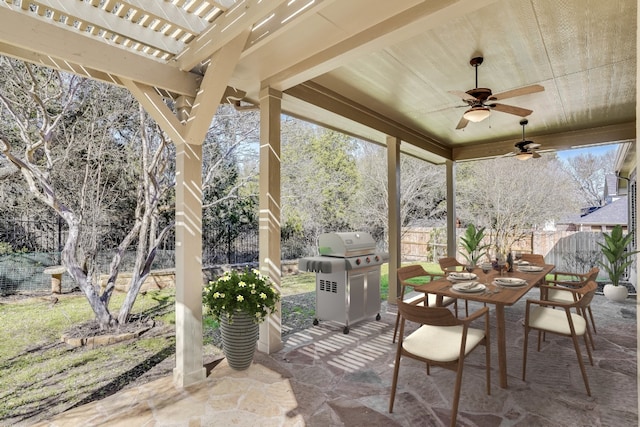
320,179
588,172
511,198
230,194
69,138
45,109
422,189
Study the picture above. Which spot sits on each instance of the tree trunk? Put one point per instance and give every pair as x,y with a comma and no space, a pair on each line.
70,261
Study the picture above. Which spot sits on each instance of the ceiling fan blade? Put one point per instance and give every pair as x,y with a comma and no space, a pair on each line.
462,123
463,95
535,154
517,92
522,112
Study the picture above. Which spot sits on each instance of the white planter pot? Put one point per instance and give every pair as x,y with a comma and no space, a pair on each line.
615,293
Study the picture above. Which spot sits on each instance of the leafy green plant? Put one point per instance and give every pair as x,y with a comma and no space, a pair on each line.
471,243
615,250
249,292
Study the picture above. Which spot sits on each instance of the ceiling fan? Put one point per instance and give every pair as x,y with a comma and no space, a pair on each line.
481,99
525,149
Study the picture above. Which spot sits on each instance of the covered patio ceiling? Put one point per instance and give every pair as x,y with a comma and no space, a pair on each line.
370,68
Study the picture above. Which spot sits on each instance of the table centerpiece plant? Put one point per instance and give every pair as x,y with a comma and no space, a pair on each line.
240,300
471,242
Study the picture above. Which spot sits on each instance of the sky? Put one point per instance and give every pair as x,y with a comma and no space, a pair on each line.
595,150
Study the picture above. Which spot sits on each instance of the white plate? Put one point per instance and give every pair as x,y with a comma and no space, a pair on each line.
461,276
468,287
530,268
509,281
522,262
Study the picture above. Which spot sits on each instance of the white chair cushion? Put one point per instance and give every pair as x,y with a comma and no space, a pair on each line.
432,300
555,321
441,343
413,298
560,295
430,297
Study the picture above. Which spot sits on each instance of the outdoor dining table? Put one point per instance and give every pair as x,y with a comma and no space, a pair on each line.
499,296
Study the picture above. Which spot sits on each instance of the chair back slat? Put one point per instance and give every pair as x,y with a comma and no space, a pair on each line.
435,316
587,292
593,274
411,271
533,258
449,263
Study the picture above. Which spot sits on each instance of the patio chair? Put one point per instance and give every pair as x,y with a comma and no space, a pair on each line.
556,291
449,264
442,340
408,272
557,318
536,259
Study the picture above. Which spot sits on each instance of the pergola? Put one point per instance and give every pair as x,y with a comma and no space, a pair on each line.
378,70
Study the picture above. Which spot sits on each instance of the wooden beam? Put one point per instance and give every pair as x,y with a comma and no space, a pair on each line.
53,44
96,17
321,97
612,134
226,28
213,86
155,105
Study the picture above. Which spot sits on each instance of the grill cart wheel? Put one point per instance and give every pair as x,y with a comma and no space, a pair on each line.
378,316
315,322
345,330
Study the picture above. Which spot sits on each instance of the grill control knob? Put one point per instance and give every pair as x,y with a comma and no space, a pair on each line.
368,260
358,261
377,258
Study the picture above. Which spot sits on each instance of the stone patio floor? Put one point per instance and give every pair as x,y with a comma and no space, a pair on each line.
323,377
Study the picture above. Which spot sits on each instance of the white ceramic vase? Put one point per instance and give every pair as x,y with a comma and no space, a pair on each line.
615,293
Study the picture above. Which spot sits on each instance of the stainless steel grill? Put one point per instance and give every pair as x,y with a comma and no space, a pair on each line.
347,277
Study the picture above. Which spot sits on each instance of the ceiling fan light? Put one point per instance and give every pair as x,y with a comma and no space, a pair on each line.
477,114
524,155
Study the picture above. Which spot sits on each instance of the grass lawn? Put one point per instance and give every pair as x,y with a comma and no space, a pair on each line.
42,376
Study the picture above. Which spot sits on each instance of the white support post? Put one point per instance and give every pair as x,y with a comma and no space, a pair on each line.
451,208
189,364
395,250
270,339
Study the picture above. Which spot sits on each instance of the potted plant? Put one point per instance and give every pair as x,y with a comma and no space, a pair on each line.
618,258
240,301
472,246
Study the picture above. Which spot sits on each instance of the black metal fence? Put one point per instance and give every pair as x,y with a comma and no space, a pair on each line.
28,246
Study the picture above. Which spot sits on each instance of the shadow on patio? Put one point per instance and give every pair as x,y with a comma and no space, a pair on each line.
325,378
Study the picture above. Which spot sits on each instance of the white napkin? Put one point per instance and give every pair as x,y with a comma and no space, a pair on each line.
469,285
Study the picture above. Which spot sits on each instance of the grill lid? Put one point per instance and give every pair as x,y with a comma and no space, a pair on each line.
346,244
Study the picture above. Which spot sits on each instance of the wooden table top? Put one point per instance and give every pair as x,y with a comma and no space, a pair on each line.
499,295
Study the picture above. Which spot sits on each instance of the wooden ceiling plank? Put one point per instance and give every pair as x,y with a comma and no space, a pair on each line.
224,29
409,23
176,16
105,19
213,85
27,33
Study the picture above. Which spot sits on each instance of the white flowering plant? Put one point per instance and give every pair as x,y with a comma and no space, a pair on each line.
247,291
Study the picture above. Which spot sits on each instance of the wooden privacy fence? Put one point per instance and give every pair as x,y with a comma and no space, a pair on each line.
568,250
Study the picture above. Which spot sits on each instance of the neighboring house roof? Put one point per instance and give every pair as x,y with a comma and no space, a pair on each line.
613,213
